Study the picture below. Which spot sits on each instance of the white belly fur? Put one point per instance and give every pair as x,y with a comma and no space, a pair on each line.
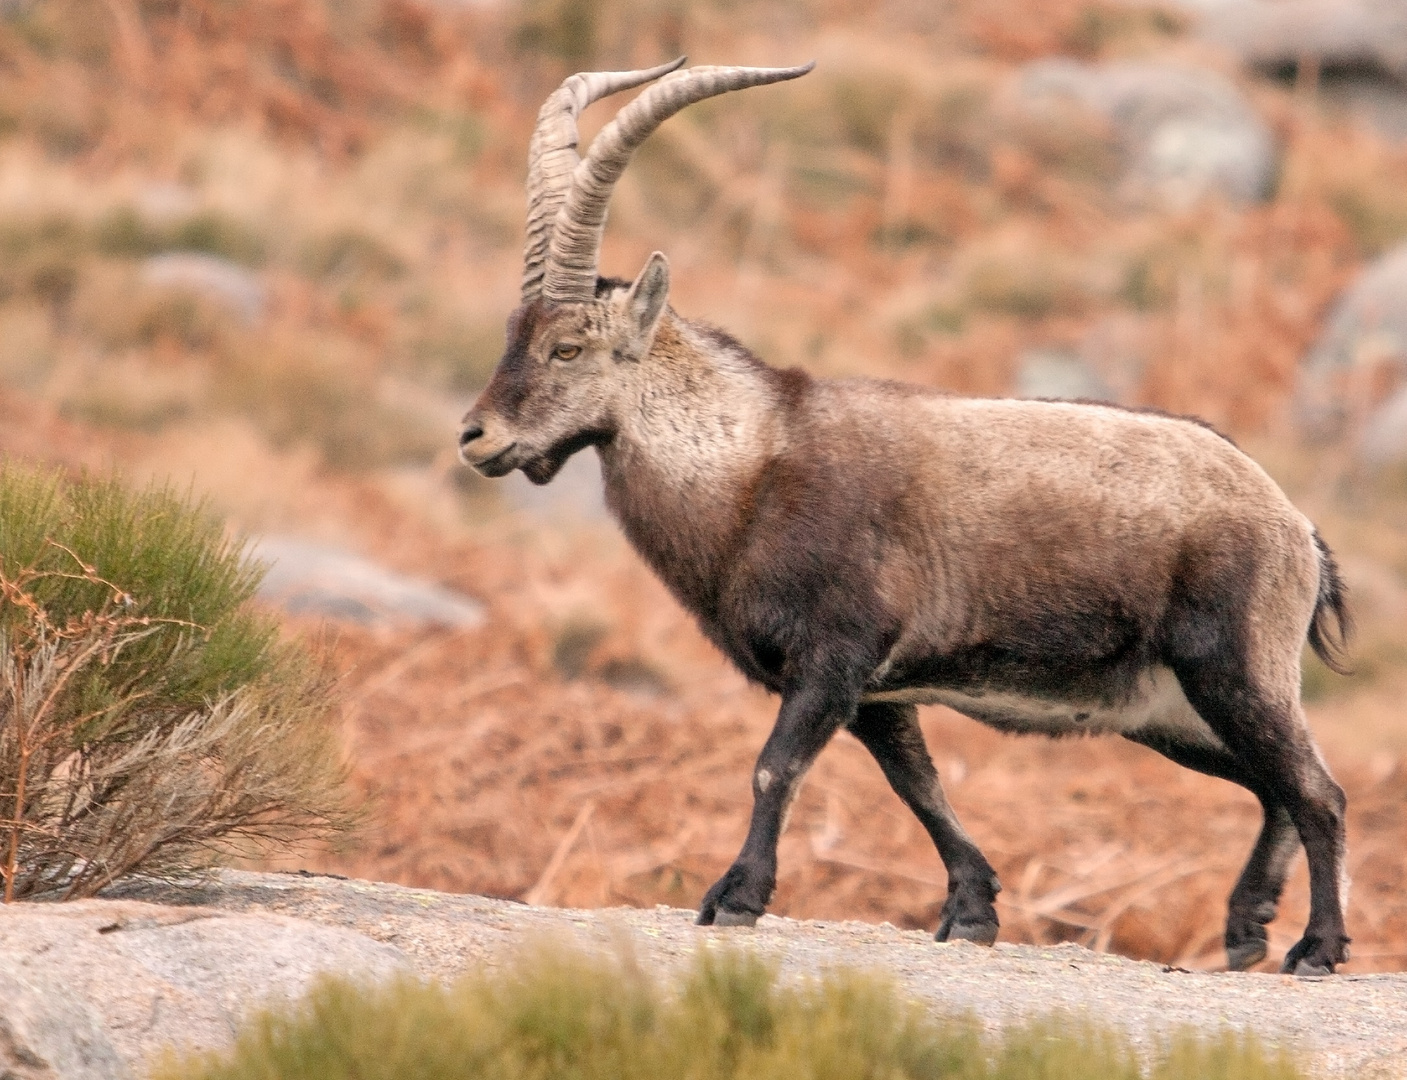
1156,704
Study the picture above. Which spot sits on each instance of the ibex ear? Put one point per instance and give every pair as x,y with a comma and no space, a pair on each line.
645,302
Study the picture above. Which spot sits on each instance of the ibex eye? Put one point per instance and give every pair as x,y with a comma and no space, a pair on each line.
566,352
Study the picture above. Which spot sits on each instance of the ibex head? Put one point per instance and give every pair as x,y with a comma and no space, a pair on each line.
574,336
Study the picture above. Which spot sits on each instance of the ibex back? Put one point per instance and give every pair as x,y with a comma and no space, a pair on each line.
860,547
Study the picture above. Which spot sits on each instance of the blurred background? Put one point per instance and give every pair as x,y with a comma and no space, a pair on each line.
265,248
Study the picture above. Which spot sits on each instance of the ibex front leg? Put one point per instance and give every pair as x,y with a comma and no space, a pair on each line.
809,717
891,733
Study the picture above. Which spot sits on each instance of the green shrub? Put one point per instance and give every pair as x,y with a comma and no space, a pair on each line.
565,29
453,354
298,391
350,254
556,1015
1376,214
124,233
866,107
148,717
1029,287
1100,25
214,233
51,236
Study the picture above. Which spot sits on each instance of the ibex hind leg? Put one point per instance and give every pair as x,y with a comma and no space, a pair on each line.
1257,894
1256,897
1264,729
891,733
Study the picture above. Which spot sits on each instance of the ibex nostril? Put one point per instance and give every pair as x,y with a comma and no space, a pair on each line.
468,433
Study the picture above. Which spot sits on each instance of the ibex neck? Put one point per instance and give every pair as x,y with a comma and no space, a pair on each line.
705,419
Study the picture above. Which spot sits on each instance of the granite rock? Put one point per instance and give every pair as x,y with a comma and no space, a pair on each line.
1184,132
97,990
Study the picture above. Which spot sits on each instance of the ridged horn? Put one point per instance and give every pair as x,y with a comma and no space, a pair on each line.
552,155
575,241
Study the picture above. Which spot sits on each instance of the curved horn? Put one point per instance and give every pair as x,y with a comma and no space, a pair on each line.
576,235
552,155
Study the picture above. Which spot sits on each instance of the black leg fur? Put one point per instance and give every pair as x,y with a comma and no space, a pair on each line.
1257,894
1271,742
891,733
1256,897
806,722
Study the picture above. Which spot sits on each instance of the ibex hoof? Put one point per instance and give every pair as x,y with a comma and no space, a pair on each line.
724,917
1246,955
1315,956
979,933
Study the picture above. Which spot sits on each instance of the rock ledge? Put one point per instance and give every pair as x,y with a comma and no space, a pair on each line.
96,989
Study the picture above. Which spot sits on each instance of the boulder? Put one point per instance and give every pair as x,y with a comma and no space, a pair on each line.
97,990
222,282
1351,35
1056,373
1118,347
1105,364
1356,369
1384,438
311,579
48,1034
1184,132
1359,48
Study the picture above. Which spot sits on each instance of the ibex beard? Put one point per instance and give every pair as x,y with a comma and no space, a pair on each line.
861,547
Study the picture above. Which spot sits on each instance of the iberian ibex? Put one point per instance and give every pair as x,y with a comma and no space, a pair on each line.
861,547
